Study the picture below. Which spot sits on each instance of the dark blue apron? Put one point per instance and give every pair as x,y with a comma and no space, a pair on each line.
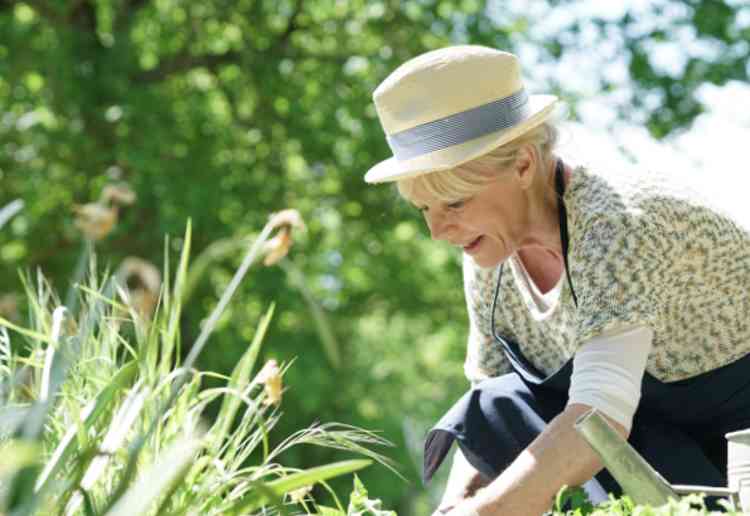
679,427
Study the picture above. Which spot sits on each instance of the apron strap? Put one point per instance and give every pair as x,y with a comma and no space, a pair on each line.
563,219
522,366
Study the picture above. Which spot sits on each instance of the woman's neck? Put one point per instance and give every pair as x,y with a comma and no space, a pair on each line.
542,253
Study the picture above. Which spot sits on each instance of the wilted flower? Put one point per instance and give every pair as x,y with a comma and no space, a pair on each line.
117,193
145,294
298,495
270,377
95,220
278,247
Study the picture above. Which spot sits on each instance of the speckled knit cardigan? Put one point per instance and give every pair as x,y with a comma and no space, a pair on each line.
644,250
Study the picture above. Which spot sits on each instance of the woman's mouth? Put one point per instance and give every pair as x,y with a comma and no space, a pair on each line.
473,245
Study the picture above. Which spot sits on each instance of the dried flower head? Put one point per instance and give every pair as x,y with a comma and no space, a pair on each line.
145,294
95,220
298,495
289,217
278,247
270,378
117,193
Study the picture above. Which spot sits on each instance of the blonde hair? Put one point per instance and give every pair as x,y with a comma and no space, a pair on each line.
467,179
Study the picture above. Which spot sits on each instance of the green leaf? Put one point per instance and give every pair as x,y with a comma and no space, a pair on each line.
9,210
257,498
25,332
159,481
17,454
238,381
573,499
103,401
169,343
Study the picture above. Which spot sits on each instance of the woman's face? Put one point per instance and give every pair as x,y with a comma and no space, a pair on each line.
489,226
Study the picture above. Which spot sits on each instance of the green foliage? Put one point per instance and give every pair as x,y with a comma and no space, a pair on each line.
99,416
573,501
359,504
226,111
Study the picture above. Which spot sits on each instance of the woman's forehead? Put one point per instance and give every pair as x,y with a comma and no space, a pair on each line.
420,193
425,193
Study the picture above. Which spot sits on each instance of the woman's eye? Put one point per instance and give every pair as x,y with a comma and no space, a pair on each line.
456,205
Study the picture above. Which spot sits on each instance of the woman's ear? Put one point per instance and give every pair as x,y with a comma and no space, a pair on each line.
526,166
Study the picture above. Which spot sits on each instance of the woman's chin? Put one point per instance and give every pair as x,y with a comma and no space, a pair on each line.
486,262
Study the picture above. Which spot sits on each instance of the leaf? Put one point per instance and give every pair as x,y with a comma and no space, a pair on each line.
159,481
573,499
172,336
239,380
25,332
90,415
9,211
17,455
259,497
360,504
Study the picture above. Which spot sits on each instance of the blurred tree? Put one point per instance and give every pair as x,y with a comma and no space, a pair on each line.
227,111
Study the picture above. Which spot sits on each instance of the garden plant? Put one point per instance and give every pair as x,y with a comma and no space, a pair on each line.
101,408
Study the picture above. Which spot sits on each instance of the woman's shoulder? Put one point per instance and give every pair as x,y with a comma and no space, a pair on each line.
648,201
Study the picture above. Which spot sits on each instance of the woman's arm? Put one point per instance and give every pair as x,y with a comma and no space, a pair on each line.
607,374
558,456
463,482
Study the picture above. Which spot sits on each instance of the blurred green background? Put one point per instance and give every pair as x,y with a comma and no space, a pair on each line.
226,111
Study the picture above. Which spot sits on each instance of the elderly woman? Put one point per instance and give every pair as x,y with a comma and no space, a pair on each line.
626,293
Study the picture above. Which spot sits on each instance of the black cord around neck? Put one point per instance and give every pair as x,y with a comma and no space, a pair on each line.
563,221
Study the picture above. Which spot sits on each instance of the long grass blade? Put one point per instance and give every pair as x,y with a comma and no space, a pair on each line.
9,211
17,455
159,481
257,498
87,253
18,464
103,401
210,324
327,337
58,317
218,250
170,340
24,331
239,380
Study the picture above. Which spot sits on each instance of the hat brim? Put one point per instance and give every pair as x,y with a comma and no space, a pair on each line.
542,108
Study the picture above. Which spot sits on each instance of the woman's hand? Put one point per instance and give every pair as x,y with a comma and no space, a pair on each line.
468,507
463,483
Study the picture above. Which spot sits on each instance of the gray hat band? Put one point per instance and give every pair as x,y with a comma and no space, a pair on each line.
460,127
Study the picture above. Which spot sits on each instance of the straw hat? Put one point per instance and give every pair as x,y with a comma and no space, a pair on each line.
451,105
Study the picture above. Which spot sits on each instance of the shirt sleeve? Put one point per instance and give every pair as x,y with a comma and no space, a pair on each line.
484,357
608,371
